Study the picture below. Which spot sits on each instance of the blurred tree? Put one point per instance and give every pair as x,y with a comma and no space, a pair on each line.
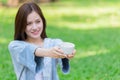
12,2
16,2
45,0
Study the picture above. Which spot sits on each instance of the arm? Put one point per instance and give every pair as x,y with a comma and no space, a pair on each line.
22,53
64,62
53,52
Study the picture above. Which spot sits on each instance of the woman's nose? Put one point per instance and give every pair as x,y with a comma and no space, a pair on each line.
34,26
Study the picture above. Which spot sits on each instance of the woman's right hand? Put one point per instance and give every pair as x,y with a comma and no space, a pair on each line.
56,52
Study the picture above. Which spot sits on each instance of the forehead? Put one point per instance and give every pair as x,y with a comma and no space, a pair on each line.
33,16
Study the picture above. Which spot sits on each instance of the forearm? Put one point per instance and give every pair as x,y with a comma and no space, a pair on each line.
41,52
51,52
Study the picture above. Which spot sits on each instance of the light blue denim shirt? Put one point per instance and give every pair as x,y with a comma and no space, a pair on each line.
26,64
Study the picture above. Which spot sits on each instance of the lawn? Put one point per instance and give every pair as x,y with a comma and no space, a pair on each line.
92,25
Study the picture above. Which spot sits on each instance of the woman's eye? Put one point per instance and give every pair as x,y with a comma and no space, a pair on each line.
29,23
38,21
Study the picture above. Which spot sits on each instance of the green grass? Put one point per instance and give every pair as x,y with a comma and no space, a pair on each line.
93,26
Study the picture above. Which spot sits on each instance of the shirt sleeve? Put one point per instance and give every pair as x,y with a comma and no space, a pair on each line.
64,63
24,54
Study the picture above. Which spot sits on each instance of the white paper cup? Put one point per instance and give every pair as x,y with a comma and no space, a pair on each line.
67,47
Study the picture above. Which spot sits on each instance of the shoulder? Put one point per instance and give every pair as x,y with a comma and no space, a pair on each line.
53,41
16,43
20,46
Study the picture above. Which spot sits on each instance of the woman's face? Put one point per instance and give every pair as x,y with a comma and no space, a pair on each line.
34,26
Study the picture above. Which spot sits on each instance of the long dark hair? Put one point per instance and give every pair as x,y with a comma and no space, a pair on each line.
21,20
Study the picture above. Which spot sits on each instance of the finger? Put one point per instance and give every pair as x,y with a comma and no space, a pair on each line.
70,56
63,56
74,52
57,49
59,55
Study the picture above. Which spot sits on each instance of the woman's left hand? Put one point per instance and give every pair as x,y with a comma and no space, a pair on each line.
69,56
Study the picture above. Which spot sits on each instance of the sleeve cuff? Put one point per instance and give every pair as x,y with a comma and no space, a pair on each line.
65,65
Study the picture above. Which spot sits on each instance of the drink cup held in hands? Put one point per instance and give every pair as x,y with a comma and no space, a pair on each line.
67,47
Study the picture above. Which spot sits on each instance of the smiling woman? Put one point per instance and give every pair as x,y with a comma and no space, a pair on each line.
33,54
34,26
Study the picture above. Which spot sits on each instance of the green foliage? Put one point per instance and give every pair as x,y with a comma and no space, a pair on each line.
92,25
3,1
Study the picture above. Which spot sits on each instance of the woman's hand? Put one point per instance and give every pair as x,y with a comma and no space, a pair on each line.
56,52
69,56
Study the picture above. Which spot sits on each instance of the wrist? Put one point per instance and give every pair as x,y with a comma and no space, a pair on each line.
41,52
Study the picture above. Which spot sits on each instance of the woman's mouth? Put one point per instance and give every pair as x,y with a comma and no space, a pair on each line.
35,32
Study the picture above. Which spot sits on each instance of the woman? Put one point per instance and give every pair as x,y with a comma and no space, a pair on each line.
34,55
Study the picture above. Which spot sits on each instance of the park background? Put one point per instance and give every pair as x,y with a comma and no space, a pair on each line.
92,25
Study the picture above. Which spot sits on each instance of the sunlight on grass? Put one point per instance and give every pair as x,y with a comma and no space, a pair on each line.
7,16
8,11
84,18
90,53
3,40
